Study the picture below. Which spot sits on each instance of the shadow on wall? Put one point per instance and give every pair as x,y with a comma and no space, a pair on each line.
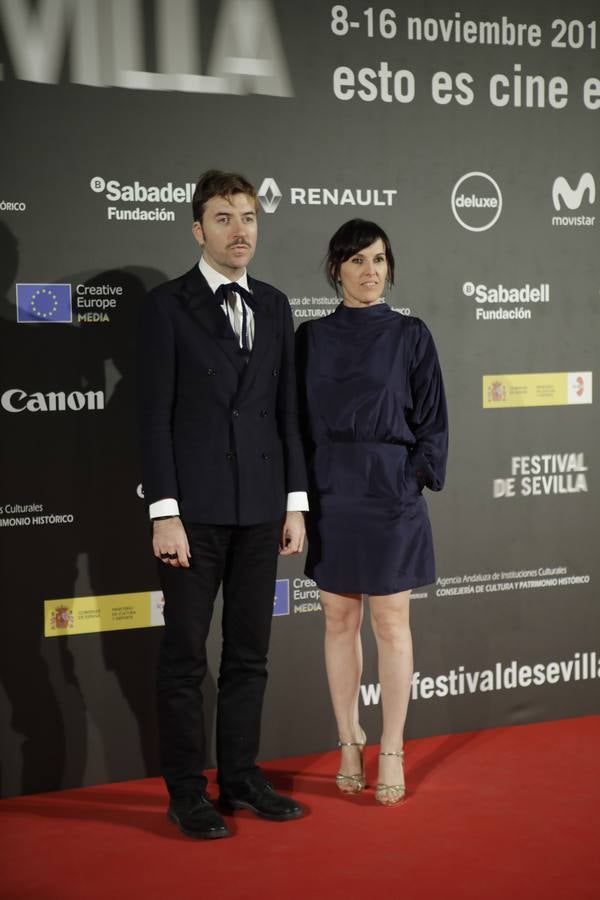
37,561
121,704
75,709
115,669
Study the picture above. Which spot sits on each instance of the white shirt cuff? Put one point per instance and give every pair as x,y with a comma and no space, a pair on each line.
166,507
297,501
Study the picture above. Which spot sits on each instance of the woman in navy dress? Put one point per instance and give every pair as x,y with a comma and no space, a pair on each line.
375,423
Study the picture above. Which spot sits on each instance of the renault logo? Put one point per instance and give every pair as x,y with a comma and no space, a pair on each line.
269,195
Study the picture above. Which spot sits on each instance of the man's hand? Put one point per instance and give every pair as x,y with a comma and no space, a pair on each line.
170,543
292,534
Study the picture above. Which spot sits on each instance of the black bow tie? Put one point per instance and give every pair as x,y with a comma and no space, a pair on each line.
224,294
224,290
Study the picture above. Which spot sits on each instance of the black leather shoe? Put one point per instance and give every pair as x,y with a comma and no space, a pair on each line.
263,801
196,817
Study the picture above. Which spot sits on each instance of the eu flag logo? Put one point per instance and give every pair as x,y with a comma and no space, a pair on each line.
44,303
281,603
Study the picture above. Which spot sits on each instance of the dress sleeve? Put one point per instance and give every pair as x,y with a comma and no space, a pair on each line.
287,412
301,373
428,415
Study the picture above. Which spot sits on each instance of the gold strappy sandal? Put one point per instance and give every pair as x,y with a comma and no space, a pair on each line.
352,784
390,794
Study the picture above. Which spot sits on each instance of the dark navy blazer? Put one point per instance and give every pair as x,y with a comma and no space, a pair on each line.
219,431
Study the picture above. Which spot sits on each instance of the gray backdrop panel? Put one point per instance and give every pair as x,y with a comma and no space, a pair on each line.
79,709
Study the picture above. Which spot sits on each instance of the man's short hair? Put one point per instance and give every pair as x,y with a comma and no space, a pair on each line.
215,183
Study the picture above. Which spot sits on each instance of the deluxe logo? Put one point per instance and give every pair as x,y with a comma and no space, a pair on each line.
15,400
572,198
270,196
44,303
476,201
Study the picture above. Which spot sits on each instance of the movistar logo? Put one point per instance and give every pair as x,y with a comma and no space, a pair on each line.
573,197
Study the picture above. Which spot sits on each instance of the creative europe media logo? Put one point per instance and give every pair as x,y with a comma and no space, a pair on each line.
44,303
281,601
94,303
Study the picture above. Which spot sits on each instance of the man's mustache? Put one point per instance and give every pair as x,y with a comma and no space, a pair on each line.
239,244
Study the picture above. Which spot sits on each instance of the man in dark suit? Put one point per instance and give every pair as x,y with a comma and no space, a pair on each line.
224,478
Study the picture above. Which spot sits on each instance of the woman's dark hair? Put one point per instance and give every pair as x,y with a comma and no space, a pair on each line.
351,238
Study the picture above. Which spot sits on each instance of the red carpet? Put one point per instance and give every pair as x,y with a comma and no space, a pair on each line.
505,813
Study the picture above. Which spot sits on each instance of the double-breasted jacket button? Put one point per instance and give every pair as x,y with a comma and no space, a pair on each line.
235,412
263,413
211,371
266,457
230,455
275,371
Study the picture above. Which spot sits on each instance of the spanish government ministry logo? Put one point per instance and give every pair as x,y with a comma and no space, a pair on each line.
44,303
496,392
269,195
62,618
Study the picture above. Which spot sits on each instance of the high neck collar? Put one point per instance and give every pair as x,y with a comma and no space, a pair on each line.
373,310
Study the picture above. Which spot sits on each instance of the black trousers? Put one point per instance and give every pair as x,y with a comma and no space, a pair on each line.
244,559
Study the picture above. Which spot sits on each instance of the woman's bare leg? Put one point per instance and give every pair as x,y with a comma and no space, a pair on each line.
343,660
391,626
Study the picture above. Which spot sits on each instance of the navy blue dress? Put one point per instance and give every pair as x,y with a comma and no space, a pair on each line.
374,418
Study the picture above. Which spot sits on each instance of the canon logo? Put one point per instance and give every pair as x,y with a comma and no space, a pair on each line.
16,400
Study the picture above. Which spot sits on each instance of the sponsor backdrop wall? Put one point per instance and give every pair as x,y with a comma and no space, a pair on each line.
469,131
